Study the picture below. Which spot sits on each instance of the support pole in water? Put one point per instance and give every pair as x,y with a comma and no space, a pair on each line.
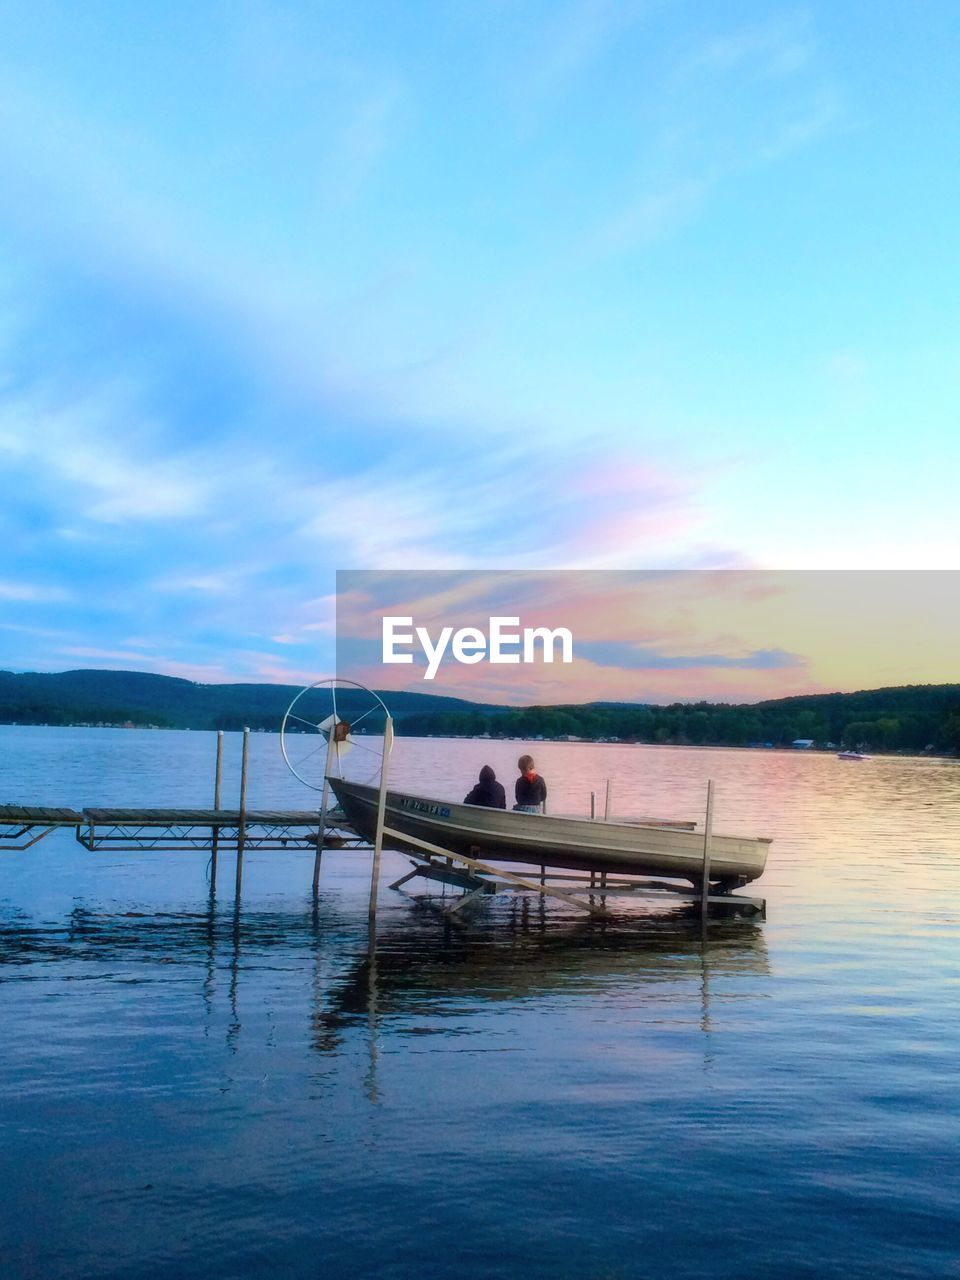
242,827
707,834
323,808
593,804
381,813
606,807
215,843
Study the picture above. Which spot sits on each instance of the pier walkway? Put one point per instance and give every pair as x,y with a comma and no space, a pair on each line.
22,826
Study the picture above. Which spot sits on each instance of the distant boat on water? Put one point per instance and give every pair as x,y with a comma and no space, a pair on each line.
851,755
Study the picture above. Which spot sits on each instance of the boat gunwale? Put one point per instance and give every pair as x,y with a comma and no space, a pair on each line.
556,817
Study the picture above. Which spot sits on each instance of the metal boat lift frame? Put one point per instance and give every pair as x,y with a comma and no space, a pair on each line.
480,879
480,886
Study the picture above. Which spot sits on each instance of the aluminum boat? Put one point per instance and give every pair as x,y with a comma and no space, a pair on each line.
644,847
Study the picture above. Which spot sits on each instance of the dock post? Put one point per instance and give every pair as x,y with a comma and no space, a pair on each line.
215,843
242,828
324,800
381,813
593,804
606,807
707,833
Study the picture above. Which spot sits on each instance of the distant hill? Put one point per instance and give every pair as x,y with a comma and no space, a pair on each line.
901,718
140,698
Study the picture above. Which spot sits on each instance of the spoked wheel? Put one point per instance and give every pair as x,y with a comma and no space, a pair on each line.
334,726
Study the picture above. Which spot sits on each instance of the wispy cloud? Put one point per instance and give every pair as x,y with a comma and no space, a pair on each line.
782,45
740,100
653,213
116,467
573,37
633,657
129,657
208,583
32,593
804,126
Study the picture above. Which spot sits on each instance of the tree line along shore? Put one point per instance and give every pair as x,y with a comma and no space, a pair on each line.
908,718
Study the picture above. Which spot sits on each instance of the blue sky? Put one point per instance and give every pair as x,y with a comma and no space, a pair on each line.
295,287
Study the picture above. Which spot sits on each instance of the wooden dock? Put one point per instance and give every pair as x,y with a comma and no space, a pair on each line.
22,826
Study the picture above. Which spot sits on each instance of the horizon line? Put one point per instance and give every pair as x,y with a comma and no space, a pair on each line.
506,706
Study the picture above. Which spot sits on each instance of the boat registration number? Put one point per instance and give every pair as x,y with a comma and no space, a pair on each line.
423,806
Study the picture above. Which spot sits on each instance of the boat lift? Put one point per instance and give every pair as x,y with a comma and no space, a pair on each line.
585,891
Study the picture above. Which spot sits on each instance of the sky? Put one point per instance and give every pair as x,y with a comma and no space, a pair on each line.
655,636
287,288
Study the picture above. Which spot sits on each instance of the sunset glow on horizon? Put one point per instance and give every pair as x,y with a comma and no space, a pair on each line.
662,637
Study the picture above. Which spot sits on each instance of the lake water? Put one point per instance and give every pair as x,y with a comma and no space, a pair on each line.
188,1091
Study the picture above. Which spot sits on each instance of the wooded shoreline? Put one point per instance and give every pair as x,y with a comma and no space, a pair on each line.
910,719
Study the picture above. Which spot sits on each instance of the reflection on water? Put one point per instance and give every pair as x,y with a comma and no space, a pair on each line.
416,964
187,1089
415,969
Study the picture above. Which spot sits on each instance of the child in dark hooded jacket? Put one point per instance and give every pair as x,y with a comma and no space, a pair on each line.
531,789
488,791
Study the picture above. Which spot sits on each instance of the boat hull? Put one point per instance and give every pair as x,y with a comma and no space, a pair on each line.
578,844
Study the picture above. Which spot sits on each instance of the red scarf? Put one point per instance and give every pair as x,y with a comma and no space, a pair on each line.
530,774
